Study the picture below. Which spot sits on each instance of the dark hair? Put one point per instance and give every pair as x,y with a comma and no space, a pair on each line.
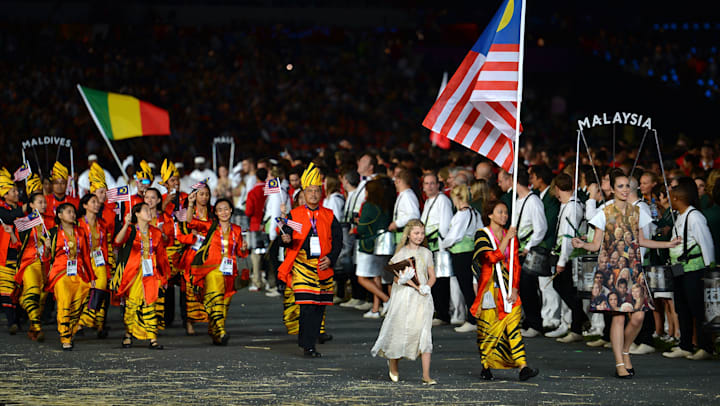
373,160
352,177
564,182
523,178
159,195
34,195
543,172
377,194
686,190
616,173
61,208
406,177
135,210
622,281
261,174
85,200
332,184
225,200
489,208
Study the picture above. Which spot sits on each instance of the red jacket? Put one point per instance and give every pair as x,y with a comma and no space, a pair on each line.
255,206
324,228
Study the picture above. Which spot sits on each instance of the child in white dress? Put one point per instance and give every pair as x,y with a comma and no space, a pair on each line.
406,330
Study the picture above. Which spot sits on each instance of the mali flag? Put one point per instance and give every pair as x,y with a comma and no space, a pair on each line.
119,116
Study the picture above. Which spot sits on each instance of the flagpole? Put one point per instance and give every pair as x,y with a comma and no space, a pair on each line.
516,148
107,141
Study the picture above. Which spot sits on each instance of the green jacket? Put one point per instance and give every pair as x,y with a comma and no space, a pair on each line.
551,206
372,220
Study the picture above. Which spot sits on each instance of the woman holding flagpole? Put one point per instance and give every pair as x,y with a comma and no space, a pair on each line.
164,222
96,231
214,268
497,305
192,233
71,272
31,273
142,269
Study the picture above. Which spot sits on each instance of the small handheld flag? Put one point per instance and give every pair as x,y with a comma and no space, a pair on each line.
272,186
31,220
22,173
297,227
118,194
200,184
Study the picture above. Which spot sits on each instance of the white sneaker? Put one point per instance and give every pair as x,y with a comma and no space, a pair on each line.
466,328
438,322
559,332
529,333
337,299
607,345
642,349
699,355
592,332
457,322
679,353
371,315
571,337
364,306
633,347
597,343
272,293
351,303
253,288
551,326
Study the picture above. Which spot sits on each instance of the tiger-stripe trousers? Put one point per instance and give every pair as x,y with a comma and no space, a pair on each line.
140,317
70,295
499,341
33,295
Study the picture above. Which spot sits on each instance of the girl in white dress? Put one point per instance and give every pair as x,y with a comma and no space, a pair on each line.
406,330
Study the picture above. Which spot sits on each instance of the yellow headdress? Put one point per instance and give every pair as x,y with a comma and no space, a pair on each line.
145,172
6,182
33,184
96,177
59,172
311,177
168,170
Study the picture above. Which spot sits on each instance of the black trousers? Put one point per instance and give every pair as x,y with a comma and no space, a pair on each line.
690,307
462,266
530,298
273,263
441,298
310,321
563,285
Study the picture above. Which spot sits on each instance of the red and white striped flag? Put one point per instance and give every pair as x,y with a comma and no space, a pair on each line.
200,184
118,194
22,173
271,187
31,220
297,227
478,107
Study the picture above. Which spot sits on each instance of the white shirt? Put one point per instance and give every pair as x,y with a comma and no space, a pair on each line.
591,207
84,182
463,224
273,206
571,215
406,208
336,203
698,233
353,197
533,221
437,214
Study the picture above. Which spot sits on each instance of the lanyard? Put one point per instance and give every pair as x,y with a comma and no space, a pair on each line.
37,243
507,249
430,209
142,243
313,220
90,234
65,244
223,241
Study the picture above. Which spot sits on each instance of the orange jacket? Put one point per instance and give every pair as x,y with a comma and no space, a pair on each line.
488,259
161,266
324,229
59,258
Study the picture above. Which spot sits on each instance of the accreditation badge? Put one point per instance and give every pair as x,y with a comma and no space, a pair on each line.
198,243
314,246
226,266
71,267
147,267
98,258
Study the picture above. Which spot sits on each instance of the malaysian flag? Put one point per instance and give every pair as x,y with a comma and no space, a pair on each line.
290,223
118,194
31,220
272,186
22,173
478,107
200,184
